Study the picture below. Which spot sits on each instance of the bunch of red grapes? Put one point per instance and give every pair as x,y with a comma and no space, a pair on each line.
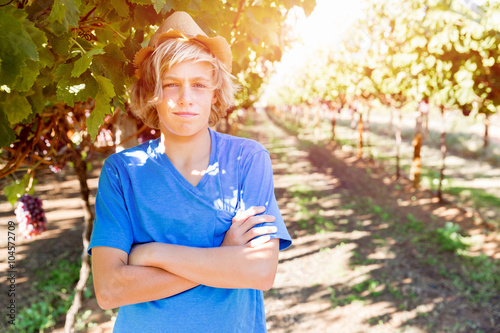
30,216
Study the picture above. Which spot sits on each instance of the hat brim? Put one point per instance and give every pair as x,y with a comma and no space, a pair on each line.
217,45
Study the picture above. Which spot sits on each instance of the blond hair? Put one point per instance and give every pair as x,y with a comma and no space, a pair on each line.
147,91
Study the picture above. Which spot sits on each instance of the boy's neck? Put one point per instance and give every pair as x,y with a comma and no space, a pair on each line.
187,152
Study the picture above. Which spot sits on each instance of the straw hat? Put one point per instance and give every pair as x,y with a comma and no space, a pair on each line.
181,25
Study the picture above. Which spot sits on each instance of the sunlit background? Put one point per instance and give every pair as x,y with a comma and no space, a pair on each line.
381,118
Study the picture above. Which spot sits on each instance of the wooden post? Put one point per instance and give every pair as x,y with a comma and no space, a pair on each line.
398,143
416,170
486,130
360,133
443,151
81,172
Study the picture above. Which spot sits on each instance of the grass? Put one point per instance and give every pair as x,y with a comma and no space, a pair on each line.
459,144
479,197
437,255
53,295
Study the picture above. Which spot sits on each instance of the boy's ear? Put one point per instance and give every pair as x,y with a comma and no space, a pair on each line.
214,99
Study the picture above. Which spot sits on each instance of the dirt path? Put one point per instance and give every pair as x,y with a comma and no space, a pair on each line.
362,259
353,266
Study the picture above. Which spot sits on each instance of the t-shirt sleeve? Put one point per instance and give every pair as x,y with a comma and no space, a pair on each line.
112,227
258,190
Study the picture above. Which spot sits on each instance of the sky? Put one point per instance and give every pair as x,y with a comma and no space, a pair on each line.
323,29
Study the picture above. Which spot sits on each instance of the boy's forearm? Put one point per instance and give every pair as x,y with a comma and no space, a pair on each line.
221,267
117,284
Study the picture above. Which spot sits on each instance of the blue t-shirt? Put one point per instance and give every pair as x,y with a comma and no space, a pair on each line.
142,198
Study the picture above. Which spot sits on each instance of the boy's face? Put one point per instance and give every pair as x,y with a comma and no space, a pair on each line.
188,96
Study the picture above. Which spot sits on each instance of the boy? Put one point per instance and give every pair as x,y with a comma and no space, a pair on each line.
180,243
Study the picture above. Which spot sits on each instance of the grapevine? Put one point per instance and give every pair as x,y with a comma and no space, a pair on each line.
31,216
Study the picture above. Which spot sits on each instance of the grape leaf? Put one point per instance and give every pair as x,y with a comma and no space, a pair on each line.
158,5
37,98
16,107
101,109
40,39
121,7
141,2
60,44
16,190
112,65
28,76
63,15
15,44
105,86
308,6
70,89
7,134
82,64
102,105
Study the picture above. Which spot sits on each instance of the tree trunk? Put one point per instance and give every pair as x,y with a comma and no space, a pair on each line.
416,170
360,133
317,128
398,143
486,130
125,127
353,111
81,171
367,130
416,165
443,151
334,122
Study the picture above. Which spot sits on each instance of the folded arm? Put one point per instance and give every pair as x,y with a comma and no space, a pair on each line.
221,267
122,279
116,283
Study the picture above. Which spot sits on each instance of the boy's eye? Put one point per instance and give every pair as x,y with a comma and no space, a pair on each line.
169,85
199,85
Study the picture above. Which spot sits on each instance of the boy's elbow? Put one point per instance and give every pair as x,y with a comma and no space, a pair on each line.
109,290
268,265
266,275
105,299
267,283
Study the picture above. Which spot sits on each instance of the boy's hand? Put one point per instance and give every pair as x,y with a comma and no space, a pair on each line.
242,231
140,253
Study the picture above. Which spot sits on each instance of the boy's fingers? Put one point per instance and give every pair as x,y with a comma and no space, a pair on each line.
242,216
259,241
259,231
250,223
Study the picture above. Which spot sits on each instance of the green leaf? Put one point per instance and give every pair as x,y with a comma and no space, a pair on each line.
308,6
79,89
60,44
82,64
105,86
63,15
111,64
101,109
16,107
40,39
105,36
37,99
28,76
7,134
195,5
18,188
16,45
146,16
70,89
102,105
121,7
158,5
